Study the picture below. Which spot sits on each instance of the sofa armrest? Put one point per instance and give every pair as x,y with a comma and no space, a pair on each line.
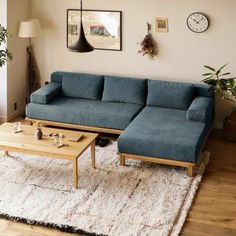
201,109
45,94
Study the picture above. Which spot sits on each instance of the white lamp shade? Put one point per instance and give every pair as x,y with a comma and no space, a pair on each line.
29,29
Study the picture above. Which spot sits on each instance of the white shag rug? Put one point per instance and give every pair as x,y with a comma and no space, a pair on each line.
138,199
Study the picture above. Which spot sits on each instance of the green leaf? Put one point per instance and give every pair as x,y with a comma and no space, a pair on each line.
228,73
207,74
212,83
222,67
210,77
210,68
5,55
232,83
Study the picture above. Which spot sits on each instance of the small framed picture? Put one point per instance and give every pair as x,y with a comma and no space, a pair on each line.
162,25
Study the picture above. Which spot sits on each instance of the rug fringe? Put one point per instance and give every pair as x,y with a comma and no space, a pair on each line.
63,228
190,196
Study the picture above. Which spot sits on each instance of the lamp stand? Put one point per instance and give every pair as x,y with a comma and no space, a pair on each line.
33,72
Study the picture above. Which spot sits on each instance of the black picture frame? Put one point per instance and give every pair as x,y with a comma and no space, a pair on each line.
97,34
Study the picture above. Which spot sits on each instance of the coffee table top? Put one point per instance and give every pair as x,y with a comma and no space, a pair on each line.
25,141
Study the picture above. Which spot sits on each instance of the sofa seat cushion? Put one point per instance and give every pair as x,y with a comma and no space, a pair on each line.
163,133
169,94
82,86
127,90
85,112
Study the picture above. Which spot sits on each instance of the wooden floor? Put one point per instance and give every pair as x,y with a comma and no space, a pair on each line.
213,211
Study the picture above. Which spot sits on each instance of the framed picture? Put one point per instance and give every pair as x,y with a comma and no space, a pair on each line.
162,25
102,29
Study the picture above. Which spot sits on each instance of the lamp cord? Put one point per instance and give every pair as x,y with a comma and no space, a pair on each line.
81,9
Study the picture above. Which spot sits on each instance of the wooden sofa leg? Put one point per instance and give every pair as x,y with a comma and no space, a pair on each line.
122,160
191,171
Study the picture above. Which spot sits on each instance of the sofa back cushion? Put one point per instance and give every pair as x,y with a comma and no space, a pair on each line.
170,94
57,76
82,86
203,90
126,90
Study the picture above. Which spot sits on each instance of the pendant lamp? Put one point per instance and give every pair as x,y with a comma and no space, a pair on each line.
81,44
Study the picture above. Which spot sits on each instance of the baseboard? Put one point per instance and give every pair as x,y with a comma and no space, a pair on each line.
15,114
3,119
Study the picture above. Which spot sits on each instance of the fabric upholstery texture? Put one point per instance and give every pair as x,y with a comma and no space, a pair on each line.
170,94
82,86
45,94
203,90
127,90
85,112
172,126
57,76
201,109
164,133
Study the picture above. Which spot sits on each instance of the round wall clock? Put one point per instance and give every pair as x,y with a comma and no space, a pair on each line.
198,22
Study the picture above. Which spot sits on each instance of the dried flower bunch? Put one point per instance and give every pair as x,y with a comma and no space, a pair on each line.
148,46
37,126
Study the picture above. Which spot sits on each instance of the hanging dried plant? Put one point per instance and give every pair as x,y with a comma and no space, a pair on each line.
148,46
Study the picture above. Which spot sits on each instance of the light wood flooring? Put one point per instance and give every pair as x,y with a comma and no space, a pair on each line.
213,211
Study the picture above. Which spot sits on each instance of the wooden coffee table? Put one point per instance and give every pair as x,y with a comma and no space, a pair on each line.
25,142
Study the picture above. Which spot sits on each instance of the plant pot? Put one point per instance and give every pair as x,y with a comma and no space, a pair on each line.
229,129
232,117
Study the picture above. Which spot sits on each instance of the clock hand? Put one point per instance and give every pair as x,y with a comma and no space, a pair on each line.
200,20
196,21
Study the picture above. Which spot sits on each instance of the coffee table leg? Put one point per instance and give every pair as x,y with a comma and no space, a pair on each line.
93,153
75,173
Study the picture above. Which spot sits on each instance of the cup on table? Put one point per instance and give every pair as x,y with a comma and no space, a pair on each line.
17,127
58,139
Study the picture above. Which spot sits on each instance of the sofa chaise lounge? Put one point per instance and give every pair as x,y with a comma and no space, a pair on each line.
158,121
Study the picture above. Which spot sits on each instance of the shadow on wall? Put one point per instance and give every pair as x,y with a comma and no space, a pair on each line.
48,24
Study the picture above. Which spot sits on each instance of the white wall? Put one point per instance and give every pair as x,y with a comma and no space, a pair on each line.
181,52
3,70
17,69
13,76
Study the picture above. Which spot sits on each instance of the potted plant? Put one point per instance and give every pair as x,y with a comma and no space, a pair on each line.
225,86
5,55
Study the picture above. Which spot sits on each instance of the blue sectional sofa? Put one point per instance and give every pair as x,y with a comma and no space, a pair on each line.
158,121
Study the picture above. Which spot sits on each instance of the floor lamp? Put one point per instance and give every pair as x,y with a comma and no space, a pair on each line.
30,29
